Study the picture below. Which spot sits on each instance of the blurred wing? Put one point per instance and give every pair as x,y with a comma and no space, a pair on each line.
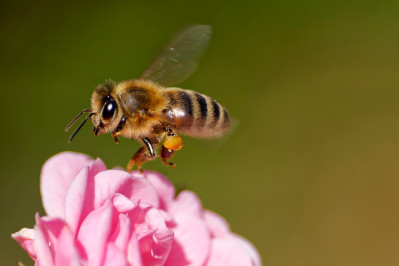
178,60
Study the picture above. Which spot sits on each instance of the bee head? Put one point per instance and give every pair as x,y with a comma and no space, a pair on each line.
106,109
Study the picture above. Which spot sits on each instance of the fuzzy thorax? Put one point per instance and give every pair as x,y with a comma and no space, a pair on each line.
139,101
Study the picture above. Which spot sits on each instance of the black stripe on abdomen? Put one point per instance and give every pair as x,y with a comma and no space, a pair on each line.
226,119
187,103
216,114
202,105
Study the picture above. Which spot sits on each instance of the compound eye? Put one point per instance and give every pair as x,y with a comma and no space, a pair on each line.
109,109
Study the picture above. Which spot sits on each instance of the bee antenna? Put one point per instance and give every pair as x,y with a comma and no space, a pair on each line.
76,118
80,126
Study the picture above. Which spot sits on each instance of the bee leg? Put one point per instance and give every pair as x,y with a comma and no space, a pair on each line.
171,144
137,159
115,136
149,146
166,155
145,153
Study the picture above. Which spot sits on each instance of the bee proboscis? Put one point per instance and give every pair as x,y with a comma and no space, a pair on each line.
148,110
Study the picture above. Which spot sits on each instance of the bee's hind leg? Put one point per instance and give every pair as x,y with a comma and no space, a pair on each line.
145,153
171,144
166,155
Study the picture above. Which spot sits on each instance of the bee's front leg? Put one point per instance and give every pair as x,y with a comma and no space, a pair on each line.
115,136
119,129
145,153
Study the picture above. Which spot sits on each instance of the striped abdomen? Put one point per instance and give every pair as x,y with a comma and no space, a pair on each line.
195,114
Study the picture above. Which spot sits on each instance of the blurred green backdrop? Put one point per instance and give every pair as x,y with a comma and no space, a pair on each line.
310,175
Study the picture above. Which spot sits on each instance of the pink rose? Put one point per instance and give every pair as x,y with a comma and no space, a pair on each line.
97,216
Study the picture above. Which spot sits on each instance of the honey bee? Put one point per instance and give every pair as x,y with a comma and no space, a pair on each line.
149,111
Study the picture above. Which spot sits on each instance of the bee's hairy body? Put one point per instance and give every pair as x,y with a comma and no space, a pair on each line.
145,110
195,114
148,105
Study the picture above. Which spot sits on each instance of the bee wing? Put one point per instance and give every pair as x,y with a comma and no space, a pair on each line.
178,60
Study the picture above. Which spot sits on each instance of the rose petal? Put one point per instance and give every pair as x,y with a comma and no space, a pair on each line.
42,240
164,187
160,242
233,250
122,233
251,250
216,224
121,203
56,177
65,251
62,242
186,202
25,237
115,181
79,200
133,254
139,221
114,256
95,231
192,241
74,200
96,167
168,218
153,236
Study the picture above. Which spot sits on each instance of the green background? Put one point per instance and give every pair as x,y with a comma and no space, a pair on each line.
310,173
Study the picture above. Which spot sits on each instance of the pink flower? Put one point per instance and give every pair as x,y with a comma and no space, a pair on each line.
97,216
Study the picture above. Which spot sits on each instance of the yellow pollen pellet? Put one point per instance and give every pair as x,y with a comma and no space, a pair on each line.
173,143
